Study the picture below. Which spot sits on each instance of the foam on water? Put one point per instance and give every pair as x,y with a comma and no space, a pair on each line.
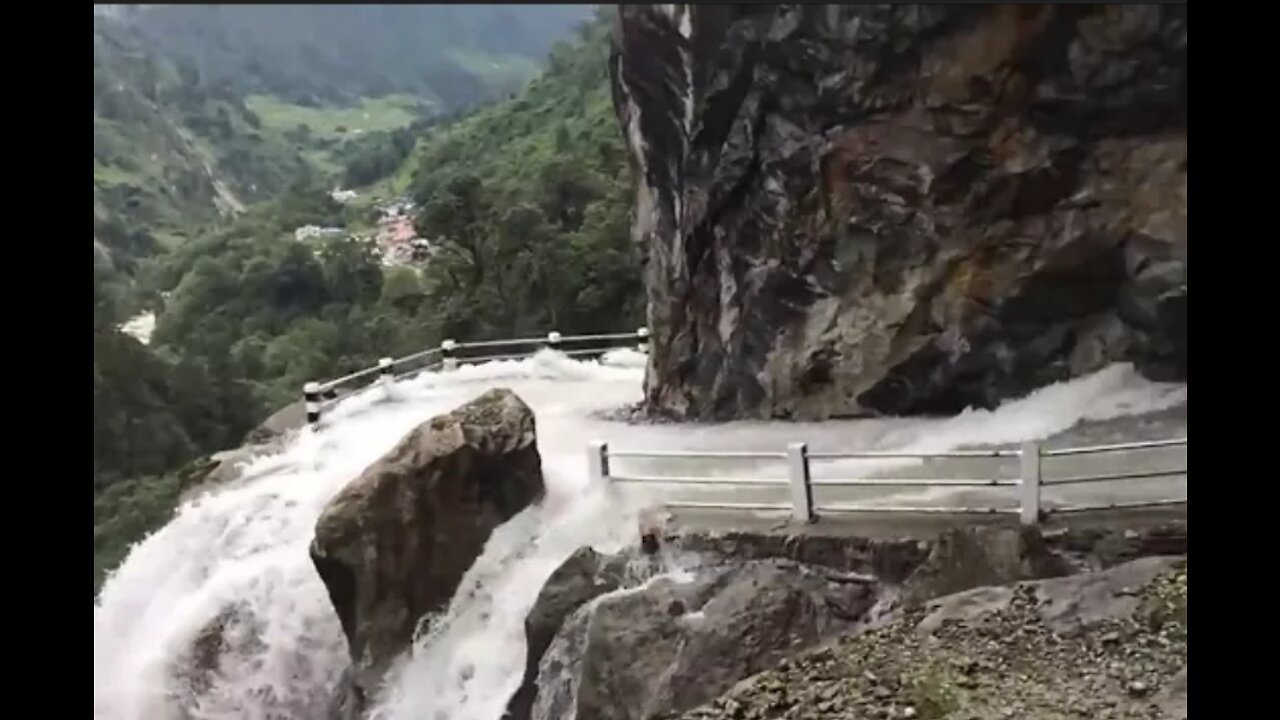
237,558
246,546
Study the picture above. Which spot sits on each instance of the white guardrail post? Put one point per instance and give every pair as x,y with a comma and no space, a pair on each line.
311,400
801,489
447,360
384,374
642,335
553,340
1029,487
597,460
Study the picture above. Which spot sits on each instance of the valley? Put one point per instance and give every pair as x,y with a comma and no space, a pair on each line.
259,235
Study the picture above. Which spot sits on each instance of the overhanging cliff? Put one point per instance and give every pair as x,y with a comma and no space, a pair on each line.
852,209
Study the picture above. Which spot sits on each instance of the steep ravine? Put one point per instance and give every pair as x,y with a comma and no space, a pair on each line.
851,209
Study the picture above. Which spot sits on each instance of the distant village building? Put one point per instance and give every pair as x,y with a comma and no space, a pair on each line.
307,232
397,208
421,249
343,196
397,239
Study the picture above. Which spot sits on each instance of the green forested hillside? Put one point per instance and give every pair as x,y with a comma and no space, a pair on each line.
453,55
170,152
525,204
528,203
200,110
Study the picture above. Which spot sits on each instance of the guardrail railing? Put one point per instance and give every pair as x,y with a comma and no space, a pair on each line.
318,396
800,482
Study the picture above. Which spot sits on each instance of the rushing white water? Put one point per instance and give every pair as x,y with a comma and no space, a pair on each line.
238,557
140,326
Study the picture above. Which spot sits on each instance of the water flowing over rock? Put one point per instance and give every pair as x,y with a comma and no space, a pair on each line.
584,576
714,608
852,209
677,641
393,545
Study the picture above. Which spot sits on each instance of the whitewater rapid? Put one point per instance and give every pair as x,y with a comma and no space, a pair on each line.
237,558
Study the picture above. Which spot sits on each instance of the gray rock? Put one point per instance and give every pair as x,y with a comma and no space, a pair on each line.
584,576
226,467
393,545
1172,699
966,606
638,659
851,209
290,417
971,557
1069,603
1066,605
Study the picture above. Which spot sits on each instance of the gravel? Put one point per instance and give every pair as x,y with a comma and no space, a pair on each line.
1004,664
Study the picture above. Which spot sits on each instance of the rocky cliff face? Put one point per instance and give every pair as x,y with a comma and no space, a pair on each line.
853,209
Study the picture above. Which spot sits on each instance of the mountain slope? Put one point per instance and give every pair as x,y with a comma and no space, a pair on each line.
167,150
527,203
200,110
314,54
246,313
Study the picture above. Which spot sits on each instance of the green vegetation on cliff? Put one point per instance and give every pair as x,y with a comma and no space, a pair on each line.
528,203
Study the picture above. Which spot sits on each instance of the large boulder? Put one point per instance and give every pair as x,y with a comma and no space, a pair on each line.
676,642
851,209
393,545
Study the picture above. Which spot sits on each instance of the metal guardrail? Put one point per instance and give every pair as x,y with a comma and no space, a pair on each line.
800,480
317,396
799,461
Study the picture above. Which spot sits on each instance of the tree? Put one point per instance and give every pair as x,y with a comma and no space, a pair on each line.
297,285
454,219
566,188
401,289
352,271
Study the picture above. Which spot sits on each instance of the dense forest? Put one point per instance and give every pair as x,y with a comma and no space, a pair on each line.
524,203
200,108
451,55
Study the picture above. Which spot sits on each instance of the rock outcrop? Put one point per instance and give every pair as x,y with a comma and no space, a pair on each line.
676,642
1108,644
393,545
585,576
637,639
850,209
965,558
